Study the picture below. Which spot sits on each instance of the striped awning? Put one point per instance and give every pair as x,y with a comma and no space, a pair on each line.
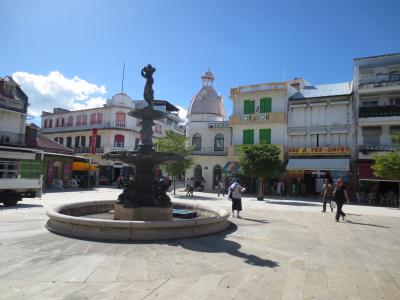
232,168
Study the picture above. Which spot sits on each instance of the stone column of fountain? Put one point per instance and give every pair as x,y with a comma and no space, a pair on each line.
145,198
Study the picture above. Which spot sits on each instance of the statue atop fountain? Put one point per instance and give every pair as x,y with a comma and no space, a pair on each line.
147,72
145,196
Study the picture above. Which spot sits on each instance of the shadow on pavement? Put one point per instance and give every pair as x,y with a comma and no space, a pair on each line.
254,220
218,243
19,206
294,203
193,197
366,224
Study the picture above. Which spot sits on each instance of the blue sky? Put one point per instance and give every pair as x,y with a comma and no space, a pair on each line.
84,45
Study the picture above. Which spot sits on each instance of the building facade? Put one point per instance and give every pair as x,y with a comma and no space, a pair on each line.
321,137
13,111
208,135
116,131
377,94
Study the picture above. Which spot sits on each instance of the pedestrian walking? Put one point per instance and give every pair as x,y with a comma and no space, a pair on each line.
340,194
235,192
221,188
327,194
191,187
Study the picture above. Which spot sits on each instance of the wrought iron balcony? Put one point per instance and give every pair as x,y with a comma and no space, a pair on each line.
379,111
88,150
210,151
376,148
379,80
12,138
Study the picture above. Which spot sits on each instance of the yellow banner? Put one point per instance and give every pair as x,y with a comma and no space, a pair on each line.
309,151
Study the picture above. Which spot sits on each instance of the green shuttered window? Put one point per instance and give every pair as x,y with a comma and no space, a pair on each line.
249,106
265,136
265,105
248,136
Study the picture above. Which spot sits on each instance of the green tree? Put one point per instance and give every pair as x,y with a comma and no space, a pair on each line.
175,143
261,161
387,165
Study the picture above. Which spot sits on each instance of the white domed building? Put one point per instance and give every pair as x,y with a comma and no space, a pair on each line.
208,134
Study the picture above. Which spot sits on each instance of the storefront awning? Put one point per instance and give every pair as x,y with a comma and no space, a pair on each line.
82,166
232,168
341,164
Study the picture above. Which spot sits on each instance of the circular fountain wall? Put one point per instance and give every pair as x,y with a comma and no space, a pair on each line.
77,220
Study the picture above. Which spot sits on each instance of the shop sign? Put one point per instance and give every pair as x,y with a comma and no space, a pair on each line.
295,173
310,151
94,140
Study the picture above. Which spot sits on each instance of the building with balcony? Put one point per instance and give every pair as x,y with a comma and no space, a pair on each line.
115,130
208,135
321,136
260,117
377,94
13,111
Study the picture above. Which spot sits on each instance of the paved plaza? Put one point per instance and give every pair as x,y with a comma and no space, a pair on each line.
279,249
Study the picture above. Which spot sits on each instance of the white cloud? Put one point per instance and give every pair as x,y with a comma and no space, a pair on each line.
182,114
55,90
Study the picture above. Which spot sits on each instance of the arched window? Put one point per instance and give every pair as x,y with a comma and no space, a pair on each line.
56,139
196,141
69,142
99,118
219,142
50,123
197,175
83,141
78,120
120,118
77,139
61,140
84,120
217,175
47,123
60,122
119,140
70,121
93,118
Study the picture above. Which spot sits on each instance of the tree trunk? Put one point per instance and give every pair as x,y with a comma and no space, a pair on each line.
260,195
173,178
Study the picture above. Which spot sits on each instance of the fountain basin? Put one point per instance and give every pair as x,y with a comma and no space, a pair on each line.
72,220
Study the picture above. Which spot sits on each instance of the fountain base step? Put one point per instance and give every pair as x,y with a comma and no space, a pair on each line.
144,213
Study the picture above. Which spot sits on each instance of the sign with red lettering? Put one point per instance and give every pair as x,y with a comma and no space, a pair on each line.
94,140
310,151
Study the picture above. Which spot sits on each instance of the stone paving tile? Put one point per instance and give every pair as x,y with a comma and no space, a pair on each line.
282,250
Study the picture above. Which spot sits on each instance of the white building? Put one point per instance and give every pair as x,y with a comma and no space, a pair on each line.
13,110
377,94
208,134
321,135
116,130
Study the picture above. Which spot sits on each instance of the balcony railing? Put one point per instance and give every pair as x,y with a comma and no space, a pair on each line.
88,150
259,87
12,138
376,148
381,80
379,111
210,151
85,127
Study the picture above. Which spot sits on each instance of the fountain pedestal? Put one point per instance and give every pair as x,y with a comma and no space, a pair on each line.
143,213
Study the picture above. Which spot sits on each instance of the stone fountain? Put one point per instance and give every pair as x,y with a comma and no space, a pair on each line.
145,197
144,210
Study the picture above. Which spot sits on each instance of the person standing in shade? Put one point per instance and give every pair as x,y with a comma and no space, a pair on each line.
340,194
327,194
237,191
221,188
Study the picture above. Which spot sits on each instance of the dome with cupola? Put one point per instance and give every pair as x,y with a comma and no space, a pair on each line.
207,101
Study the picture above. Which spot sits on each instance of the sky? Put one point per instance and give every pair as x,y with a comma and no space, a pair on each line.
70,53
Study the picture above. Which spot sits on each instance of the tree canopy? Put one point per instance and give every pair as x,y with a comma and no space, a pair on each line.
175,143
387,165
261,160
